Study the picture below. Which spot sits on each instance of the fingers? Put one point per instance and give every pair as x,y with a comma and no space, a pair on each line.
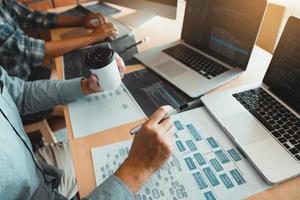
97,16
166,124
158,115
94,83
121,65
102,18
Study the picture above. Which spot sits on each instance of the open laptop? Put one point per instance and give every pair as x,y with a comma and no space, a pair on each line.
264,120
213,48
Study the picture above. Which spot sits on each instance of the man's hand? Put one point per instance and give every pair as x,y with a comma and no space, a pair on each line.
150,149
91,85
92,20
103,31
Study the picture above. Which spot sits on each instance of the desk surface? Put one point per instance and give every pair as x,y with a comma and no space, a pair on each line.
160,31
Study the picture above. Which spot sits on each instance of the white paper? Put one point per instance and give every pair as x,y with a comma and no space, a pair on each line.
175,180
102,111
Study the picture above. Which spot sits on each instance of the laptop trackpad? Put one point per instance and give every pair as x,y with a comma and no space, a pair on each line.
170,68
244,128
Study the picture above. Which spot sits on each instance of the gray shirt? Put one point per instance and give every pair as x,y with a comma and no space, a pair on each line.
21,175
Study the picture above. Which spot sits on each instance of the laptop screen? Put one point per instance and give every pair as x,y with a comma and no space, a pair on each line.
283,75
226,30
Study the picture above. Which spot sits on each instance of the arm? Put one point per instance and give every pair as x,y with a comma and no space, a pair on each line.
40,95
150,149
39,19
16,46
31,19
67,21
58,48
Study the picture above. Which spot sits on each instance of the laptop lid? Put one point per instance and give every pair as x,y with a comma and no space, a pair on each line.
226,30
283,75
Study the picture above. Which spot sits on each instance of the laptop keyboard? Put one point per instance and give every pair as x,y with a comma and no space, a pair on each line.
281,123
196,61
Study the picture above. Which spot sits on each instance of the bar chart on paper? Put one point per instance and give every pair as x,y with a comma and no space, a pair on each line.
101,111
205,164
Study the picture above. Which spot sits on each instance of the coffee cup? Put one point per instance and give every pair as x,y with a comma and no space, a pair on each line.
102,63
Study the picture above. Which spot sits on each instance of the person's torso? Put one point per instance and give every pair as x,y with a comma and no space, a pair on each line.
19,178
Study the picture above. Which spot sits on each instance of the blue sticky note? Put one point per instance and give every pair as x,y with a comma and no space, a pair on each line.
190,163
200,159
212,142
191,145
178,125
209,196
194,132
226,180
180,146
211,176
237,177
215,163
222,156
235,156
200,180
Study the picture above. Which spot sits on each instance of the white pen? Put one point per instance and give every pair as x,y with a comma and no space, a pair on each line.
182,108
146,39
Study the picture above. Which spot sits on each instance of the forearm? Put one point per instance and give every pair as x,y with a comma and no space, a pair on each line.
45,94
60,47
111,189
134,176
69,21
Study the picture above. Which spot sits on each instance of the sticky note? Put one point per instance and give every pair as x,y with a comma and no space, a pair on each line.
235,156
211,176
222,156
237,177
212,142
191,145
226,180
200,180
194,132
215,163
200,159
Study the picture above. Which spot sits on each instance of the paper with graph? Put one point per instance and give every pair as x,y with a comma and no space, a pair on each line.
101,111
205,164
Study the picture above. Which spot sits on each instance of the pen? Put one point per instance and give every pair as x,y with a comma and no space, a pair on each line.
182,108
146,39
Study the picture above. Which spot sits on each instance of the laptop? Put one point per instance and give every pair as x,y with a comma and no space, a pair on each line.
264,120
213,48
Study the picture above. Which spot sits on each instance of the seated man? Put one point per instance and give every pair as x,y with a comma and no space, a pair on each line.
21,53
22,176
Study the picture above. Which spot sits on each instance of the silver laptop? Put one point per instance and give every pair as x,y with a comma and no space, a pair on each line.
215,46
264,120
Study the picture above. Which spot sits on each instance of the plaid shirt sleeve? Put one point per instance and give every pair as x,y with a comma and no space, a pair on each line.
18,50
32,19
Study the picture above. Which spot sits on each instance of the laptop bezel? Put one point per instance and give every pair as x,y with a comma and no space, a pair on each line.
292,22
219,58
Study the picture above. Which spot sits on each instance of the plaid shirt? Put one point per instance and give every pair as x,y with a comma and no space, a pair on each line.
19,52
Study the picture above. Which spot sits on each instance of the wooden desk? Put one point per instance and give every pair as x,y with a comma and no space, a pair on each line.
161,31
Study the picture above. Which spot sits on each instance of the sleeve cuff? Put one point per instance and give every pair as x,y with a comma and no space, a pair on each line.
111,189
71,90
36,51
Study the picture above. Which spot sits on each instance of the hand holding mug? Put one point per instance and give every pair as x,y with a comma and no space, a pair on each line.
107,69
